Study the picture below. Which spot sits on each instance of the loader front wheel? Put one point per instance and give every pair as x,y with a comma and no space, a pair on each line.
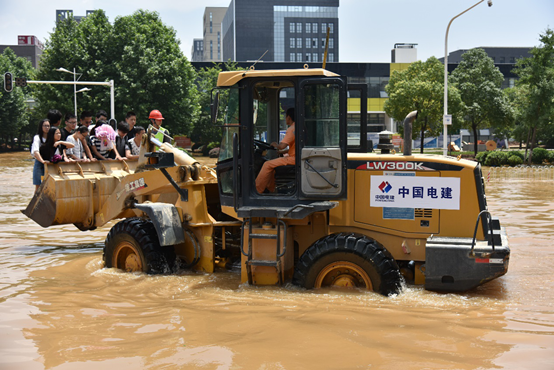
348,261
132,245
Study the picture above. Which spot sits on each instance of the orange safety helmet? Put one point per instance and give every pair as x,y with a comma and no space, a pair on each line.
155,114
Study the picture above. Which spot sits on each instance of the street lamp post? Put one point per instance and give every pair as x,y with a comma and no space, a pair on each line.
75,79
446,118
109,83
76,92
75,83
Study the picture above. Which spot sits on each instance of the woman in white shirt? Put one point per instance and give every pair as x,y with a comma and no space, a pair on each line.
38,140
54,149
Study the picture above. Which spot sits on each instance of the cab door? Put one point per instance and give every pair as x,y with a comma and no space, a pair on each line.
228,165
321,139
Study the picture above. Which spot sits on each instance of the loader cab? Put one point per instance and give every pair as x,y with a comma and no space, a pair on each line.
253,114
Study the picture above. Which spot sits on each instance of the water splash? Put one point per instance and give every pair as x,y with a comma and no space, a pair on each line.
542,172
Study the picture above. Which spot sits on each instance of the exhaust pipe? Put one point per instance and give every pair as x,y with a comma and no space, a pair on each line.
408,132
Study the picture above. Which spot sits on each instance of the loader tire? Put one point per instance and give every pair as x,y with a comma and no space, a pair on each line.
348,260
132,245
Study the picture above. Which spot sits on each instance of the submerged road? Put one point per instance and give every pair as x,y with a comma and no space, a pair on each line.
60,309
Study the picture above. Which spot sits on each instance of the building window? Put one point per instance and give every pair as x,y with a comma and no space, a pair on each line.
314,43
331,43
314,27
299,43
331,57
512,60
324,27
298,27
292,43
330,27
308,42
314,57
308,57
323,42
211,30
502,60
211,49
299,57
292,56
308,27
291,28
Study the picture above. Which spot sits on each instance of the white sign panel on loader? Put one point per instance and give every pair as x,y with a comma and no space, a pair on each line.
415,192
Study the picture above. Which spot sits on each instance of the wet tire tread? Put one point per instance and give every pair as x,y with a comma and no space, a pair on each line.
158,259
390,279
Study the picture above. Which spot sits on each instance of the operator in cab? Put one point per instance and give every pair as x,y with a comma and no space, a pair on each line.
160,133
266,177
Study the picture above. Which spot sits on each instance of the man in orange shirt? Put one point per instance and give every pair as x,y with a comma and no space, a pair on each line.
266,177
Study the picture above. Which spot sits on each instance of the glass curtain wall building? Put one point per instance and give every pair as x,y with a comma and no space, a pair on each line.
285,30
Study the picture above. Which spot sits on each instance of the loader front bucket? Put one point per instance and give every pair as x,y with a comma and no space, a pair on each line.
42,208
72,193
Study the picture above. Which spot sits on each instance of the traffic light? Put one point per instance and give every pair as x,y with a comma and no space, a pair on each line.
8,82
20,81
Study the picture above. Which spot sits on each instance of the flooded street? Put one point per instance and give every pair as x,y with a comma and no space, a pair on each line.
59,309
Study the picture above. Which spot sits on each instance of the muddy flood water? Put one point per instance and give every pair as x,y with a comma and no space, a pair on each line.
60,309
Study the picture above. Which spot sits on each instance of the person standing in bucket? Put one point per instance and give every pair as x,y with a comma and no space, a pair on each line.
161,134
38,140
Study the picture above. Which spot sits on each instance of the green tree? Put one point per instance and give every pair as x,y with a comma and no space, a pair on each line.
204,130
151,71
63,50
536,85
138,52
483,102
14,112
420,87
516,97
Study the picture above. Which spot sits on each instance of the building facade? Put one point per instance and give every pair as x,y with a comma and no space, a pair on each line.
504,58
64,14
500,55
213,36
376,77
28,47
404,53
281,30
197,52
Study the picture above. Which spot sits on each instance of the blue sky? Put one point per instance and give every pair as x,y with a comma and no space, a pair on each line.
368,29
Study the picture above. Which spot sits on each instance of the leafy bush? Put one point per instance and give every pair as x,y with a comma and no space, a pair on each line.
496,158
213,144
514,160
481,157
517,154
539,155
551,156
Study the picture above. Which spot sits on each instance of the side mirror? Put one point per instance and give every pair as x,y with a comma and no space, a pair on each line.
215,106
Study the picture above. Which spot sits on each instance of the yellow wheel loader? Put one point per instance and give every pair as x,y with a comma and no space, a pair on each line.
340,215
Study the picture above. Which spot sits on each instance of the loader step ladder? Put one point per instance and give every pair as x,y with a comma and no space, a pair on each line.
271,263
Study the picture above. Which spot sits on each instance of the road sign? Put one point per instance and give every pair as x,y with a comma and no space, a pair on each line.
8,81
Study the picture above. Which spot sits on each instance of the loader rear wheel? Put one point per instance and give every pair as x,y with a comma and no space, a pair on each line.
348,260
133,246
